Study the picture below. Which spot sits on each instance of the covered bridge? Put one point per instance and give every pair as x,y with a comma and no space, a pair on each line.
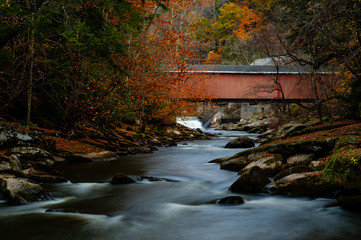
247,83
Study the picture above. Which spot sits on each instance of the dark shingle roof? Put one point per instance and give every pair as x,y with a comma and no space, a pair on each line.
250,69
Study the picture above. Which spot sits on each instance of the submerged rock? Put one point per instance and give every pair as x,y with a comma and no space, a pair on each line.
120,178
241,142
230,200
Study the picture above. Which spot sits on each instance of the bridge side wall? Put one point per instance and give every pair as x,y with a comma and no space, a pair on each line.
251,87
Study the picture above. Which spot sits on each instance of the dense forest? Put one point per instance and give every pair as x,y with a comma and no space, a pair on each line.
108,61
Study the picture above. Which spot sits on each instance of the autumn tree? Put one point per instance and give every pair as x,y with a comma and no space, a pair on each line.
66,48
320,35
157,80
229,33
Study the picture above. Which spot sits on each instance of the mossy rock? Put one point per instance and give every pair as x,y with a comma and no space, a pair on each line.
344,168
303,184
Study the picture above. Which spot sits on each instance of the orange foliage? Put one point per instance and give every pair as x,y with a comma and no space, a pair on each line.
248,23
158,65
213,57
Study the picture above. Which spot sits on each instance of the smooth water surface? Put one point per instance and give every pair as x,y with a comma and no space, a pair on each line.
178,208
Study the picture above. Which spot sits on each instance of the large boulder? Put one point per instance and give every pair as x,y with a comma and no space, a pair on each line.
252,181
241,142
303,184
33,157
21,191
270,165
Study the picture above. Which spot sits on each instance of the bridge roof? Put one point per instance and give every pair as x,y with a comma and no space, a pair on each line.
250,69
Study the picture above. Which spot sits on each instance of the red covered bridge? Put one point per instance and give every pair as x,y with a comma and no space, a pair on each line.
237,83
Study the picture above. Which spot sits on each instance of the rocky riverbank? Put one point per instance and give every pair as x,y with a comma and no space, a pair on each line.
301,160
28,156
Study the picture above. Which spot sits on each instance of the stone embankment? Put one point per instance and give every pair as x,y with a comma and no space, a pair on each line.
28,158
298,160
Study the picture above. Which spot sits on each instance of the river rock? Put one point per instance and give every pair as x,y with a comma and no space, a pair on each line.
289,130
317,165
15,164
33,157
317,147
300,159
154,179
42,176
234,164
288,171
240,142
240,160
270,165
11,164
252,181
11,136
4,167
260,126
216,119
352,202
120,178
94,156
302,184
21,191
230,200
264,137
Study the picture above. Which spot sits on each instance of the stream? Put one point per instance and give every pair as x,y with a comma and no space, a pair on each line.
181,206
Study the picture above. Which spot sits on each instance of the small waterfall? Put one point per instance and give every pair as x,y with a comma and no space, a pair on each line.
191,122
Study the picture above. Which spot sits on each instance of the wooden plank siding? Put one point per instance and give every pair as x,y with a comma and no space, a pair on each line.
246,84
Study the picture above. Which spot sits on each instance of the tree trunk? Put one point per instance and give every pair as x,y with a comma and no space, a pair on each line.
30,83
318,103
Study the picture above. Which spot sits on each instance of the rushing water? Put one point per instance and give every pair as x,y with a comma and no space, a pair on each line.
179,208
